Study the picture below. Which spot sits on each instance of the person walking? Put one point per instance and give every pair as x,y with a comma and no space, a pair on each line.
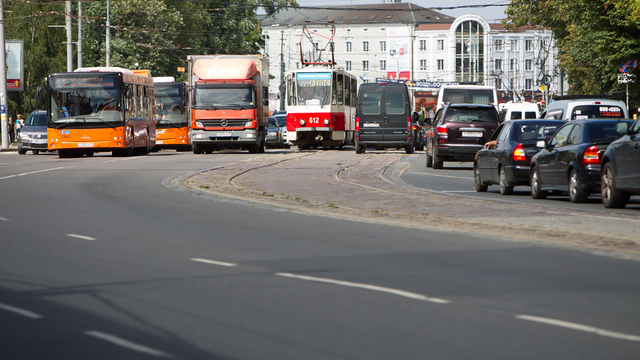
11,130
18,125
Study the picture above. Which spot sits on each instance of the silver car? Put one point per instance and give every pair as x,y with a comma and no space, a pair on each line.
33,135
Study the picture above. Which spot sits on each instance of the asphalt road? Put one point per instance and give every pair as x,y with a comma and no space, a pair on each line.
99,260
457,178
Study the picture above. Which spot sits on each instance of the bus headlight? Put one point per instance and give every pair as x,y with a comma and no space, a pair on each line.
326,121
302,122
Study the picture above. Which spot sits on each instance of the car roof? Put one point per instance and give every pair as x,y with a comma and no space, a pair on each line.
470,105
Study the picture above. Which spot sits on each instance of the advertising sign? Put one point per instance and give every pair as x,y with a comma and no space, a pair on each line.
14,51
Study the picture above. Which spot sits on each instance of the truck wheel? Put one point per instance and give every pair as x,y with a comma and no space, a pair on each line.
197,149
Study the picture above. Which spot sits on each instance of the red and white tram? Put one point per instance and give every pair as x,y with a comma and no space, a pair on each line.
320,102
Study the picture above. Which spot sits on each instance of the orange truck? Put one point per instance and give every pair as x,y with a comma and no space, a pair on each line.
229,97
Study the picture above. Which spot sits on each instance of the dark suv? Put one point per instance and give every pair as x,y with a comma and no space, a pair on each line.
458,132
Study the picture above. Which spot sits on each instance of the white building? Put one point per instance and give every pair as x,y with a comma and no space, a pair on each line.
406,42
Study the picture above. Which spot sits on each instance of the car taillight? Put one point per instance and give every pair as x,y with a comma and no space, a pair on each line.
357,123
518,153
441,130
590,156
409,124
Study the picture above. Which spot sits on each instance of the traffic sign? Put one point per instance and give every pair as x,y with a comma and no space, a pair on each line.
626,78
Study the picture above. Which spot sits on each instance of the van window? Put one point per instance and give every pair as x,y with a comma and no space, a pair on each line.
596,111
530,115
371,104
395,103
516,115
468,96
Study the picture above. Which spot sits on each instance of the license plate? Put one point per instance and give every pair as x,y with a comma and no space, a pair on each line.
471,134
85,144
159,141
39,141
371,125
226,134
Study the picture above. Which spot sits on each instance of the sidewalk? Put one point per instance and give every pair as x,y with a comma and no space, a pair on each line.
12,147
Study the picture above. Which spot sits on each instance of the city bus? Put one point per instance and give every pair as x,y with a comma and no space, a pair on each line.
172,123
100,110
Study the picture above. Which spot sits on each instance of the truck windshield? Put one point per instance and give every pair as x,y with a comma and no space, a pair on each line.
85,99
314,88
207,96
169,108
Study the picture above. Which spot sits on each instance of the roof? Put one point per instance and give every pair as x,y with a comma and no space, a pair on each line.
393,13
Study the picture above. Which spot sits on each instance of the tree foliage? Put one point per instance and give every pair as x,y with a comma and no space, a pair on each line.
594,38
156,34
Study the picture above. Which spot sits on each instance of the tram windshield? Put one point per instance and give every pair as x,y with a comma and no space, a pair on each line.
314,88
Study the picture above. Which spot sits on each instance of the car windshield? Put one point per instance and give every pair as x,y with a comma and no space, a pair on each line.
534,132
471,115
596,111
604,131
282,120
39,119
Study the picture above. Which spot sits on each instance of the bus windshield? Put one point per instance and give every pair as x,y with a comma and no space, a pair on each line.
85,99
314,88
169,107
213,96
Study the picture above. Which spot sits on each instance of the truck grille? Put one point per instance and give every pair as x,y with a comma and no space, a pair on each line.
224,122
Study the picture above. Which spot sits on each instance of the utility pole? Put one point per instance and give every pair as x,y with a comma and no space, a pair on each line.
68,21
108,42
282,68
3,81
79,34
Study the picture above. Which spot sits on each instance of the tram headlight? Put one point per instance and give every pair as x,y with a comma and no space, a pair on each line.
326,122
302,122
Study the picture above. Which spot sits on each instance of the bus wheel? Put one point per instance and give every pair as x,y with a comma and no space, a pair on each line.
89,153
208,150
63,154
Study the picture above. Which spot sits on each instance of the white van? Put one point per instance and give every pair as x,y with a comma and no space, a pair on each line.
467,94
580,107
522,110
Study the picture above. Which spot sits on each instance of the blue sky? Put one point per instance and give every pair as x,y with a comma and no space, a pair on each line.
490,13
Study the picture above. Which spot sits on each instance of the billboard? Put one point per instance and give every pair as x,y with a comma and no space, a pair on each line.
14,51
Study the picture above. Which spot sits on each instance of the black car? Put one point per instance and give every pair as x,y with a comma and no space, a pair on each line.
506,161
620,173
458,132
570,161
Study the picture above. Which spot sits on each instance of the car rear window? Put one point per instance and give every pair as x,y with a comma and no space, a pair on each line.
371,103
524,132
471,115
604,131
596,111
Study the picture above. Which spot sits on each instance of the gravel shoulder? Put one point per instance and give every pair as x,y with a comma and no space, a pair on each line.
354,187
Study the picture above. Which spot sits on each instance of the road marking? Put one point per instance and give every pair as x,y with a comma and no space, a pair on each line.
3,219
81,237
403,293
458,191
446,176
23,312
128,344
31,172
206,261
579,327
125,159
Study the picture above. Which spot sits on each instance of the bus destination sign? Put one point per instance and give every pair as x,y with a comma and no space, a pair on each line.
93,82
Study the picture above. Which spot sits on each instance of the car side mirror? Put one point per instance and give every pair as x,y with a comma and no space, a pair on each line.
622,128
541,144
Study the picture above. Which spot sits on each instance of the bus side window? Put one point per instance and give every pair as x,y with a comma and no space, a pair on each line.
340,89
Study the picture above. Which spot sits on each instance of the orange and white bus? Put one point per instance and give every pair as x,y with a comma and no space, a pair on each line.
172,120
100,110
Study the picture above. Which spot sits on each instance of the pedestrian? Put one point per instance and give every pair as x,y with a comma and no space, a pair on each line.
18,125
11,130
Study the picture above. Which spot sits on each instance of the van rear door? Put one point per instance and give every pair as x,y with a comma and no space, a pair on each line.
396,112
371,117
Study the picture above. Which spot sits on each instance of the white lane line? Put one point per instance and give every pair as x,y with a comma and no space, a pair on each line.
81,237
213,262
23,312
31,172
3,219
458,191
128,344
403,293
579,327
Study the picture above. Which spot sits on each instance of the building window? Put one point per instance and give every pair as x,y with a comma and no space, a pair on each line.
297,65
512,64
528,64
528,45
528,84
349,47
499,45
423,65
440,64
365,46
440,44
514,45
348,65
383,65
423,45
498,64
365,65
383,46
297,48
469,65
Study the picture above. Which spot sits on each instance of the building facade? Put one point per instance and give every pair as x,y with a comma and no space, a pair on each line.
405,42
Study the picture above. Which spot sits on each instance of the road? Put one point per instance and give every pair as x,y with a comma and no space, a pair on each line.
101,259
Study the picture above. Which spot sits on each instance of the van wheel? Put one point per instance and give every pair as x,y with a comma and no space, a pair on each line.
359,148
409,149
